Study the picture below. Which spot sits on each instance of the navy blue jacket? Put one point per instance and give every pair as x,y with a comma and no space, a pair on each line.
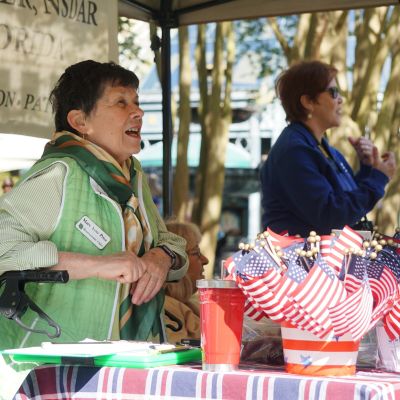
303,190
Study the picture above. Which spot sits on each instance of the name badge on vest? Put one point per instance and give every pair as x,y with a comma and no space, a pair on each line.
93,232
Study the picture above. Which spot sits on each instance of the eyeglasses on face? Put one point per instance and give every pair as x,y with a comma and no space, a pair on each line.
333,91
194,252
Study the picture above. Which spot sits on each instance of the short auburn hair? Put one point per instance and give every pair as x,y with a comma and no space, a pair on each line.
305,78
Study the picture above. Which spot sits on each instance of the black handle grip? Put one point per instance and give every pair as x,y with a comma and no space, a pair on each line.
14,302
36,276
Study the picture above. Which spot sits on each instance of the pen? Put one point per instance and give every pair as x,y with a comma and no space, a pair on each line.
169,350
174,350
191,342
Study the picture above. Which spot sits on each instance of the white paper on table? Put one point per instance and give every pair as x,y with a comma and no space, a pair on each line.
90,348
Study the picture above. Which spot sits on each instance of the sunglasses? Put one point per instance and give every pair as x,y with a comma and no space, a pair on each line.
333,91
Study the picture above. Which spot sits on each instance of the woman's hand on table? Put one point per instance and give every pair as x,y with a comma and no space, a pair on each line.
157,264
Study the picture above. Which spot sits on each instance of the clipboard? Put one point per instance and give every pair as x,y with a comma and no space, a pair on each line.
142,356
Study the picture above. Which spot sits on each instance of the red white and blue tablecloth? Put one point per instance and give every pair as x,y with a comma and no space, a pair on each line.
184,382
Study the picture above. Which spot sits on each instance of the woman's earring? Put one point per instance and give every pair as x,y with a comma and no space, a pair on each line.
309,115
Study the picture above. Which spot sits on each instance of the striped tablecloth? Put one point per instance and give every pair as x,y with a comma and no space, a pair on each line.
183,382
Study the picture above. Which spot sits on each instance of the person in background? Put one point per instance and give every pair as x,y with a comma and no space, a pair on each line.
307,185
156,190
7,185
181,300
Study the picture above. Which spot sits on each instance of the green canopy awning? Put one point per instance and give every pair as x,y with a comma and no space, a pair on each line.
151,156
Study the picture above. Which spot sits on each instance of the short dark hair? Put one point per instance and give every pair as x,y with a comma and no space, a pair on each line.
82,84
305,78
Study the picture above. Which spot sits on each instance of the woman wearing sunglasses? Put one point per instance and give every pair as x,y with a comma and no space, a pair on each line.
307,185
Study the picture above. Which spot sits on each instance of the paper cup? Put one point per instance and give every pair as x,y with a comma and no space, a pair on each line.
221,322
306,354
389,350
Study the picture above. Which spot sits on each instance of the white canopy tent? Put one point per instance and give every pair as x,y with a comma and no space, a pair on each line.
187,12
19,152
173,13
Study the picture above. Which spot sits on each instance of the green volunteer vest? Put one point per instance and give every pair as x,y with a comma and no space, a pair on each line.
82,308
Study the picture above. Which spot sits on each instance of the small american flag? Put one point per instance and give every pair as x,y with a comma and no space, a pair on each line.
283,241
254,264
349,293
384,289
319,289
267,288
348,239
256,272
389,257
391,321
354,313
295,274
294,311
262,297
356,271
230,262
252,311
325,245
289,252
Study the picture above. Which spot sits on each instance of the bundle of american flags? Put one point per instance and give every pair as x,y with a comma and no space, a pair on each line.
322,284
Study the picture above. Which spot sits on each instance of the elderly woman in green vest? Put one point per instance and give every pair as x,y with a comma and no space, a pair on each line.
85,207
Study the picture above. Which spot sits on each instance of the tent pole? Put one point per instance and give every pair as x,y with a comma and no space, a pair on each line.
166,106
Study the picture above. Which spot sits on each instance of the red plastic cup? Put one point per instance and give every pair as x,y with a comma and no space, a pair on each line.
221,322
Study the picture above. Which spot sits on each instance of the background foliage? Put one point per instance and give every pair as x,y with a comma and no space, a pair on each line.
362,44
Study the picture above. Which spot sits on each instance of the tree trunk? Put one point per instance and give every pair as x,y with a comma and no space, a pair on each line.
181,179
371,59
215,139
202,110
388,127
